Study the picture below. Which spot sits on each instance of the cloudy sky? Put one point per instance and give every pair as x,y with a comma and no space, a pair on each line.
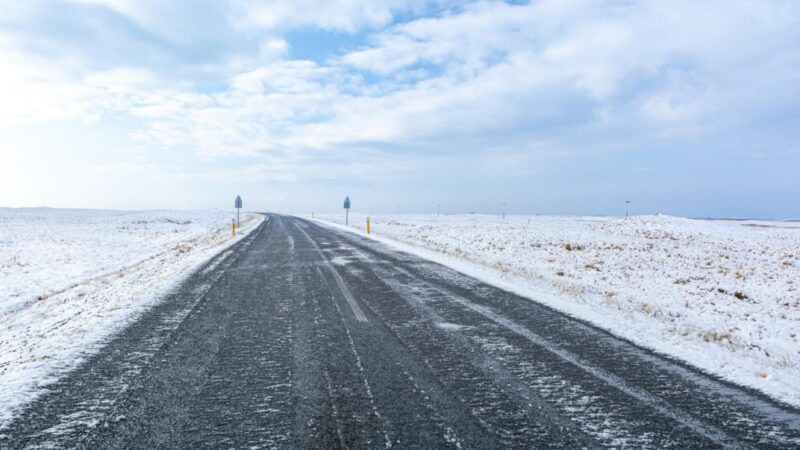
558,107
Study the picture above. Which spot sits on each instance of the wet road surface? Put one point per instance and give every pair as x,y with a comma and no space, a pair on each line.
301,336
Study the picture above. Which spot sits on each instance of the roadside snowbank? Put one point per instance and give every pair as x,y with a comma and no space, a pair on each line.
721,295
70,278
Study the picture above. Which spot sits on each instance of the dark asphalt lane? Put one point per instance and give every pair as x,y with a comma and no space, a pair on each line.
302,336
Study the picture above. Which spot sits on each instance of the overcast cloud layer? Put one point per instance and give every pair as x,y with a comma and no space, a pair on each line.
683,107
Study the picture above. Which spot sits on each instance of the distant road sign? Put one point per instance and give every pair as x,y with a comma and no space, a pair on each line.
238,206
347,202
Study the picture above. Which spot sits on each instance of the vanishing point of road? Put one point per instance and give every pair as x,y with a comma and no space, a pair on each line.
302,336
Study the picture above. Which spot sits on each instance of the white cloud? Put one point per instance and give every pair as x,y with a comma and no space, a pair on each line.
546,76
35,90
168,17
338,15
177,21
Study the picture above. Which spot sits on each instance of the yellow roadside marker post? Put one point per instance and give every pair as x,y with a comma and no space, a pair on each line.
233,227
368,227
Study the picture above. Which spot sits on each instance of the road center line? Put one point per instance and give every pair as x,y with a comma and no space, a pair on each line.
360,367
348,296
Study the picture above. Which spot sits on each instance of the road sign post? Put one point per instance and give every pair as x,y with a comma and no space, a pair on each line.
347,210
238,206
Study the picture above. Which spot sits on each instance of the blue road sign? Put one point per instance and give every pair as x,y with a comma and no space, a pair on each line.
347,202
238,202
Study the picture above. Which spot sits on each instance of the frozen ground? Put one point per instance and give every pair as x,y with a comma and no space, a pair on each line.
70,278
722,295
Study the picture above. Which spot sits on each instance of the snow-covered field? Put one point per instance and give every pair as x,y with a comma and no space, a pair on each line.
721,295
70,278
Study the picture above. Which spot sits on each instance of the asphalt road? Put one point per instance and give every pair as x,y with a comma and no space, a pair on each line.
301,336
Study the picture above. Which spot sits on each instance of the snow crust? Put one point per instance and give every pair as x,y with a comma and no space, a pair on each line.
70,278
721,295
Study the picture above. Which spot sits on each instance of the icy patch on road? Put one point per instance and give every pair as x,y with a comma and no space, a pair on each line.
450,326
70,278
721,295
340,261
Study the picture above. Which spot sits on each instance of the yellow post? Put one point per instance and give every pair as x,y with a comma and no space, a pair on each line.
368,228
233,227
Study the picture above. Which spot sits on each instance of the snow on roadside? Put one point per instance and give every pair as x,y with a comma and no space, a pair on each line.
70,278
721,295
